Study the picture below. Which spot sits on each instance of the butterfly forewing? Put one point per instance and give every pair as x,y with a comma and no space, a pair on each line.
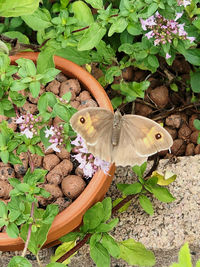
95,127
147,136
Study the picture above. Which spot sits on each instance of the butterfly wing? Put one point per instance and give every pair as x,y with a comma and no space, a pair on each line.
146,136
94,125
124,153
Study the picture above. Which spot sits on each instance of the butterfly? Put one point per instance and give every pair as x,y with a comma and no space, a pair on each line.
124,140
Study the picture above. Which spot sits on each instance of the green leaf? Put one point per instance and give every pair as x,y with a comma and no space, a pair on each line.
22,148
3,209
139,170
39,20
107,206
72,236
61,250
15,8
49,75
95,238
197,124
193,56
162,194
12,230
19,261
134,28
4,155
71,53
100,255
134,253
153,61
116,101
93,217
62,112
45,59
111,73
106,227
14,159
111,245
166,179
4,48
82,13
146,204
18,86
39,237
55,264
130,189
118,26
97,4
34,88
17,99
22,38
195,82
91,37
184,257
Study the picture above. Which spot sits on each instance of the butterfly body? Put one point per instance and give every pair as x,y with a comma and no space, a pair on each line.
116,128
125,140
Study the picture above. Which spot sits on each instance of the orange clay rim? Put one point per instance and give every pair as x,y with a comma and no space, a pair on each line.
71,217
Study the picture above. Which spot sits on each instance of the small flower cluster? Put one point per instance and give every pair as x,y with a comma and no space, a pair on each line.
184,2
163,30
28,124
56,137
88,163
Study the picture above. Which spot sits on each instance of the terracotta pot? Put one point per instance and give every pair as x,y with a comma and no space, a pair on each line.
71,217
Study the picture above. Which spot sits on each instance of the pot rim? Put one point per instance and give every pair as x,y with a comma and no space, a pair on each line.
99,184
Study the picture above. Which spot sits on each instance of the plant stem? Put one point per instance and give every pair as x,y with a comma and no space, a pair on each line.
74,249
29,232
38,260
114,210
32,210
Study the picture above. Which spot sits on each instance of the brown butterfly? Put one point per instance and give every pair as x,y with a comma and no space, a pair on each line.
124,140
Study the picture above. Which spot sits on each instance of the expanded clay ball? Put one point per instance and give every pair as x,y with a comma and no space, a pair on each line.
63,154
54,190
184,132
53,87
178,147
160,96
73,186
189,151
71,85
5,189
59,171
194,137
50,161
83,96
6,172
62,203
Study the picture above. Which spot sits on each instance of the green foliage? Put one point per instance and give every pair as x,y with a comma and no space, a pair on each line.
146,186
8,143
30,78
184,258
135,253
15,8
19,261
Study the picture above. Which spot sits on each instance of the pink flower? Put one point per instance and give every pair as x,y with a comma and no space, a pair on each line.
54,147
49,132
191,39
28,133
19,120
168,56
88,162
178,16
